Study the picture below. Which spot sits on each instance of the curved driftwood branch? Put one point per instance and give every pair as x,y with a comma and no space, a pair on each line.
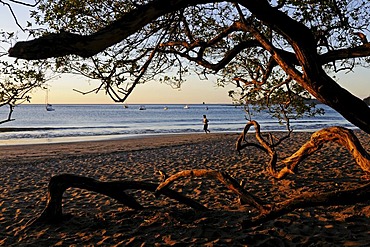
223,177
340,135
334,198
115,189
264,145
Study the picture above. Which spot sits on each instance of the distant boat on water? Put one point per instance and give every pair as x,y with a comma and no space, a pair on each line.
165,108
186,107
206,106
125,106
142,107
48,107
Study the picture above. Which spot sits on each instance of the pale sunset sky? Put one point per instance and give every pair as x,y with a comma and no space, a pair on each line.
193,91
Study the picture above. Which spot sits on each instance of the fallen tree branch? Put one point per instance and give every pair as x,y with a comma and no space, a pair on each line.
58,184
264,145
334,198
115,189
340,135
224,178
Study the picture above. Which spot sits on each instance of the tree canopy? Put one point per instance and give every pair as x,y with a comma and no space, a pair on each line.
278,52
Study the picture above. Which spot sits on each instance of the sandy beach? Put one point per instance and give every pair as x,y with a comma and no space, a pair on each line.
100,221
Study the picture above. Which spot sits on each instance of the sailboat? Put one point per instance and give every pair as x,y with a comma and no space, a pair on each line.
49,107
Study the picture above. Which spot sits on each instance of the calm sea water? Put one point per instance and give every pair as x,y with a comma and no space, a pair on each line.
33,124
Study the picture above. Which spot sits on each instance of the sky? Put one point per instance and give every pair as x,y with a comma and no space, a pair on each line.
193,91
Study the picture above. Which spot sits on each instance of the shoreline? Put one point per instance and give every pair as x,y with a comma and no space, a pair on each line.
76,139
96,138
81,147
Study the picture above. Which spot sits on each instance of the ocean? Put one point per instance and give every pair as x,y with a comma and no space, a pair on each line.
68,123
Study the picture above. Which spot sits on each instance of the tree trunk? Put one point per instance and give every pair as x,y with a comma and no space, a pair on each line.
328,92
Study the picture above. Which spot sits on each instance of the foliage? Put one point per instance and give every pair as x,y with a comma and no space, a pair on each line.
120,67
17,78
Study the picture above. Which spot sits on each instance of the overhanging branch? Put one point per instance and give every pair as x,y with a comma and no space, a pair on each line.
65,43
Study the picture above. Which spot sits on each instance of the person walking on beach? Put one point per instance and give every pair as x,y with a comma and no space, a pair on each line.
205,124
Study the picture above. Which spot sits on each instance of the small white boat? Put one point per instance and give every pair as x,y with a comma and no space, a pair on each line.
165,108
141,108
186,107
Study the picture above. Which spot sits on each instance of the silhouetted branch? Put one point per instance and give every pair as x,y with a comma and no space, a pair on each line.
115,189
334,198
223,177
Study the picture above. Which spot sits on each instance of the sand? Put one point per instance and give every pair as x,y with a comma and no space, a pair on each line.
101,221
